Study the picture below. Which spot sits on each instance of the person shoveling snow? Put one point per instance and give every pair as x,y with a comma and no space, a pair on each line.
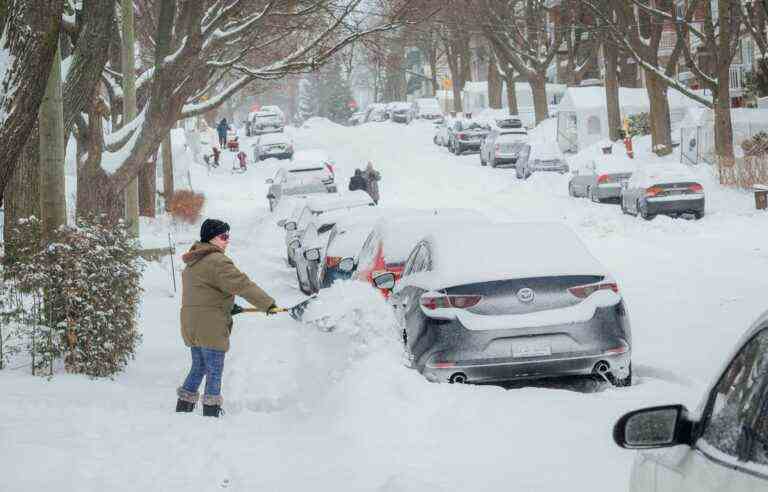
210,283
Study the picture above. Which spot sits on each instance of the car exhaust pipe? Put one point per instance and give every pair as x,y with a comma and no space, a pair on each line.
459,378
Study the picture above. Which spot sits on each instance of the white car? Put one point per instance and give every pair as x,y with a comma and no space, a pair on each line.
428,109
302,177
279,145
504,146
265,122
722,446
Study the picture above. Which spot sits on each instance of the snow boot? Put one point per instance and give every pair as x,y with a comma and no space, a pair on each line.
187,400
212,406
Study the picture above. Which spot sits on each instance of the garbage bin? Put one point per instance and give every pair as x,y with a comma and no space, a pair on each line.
761,196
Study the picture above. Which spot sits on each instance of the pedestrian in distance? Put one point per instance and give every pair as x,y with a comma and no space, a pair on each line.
357,182
210,283
372,178
222,129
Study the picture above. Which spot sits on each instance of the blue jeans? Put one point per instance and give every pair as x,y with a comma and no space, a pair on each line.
209,363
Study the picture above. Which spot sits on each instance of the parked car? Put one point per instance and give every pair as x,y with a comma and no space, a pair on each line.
474,310
441,133
542,158
376,112
663,189
306,172
276,110
400,112
387,246
427,109
317,205
720,447
467,135
265,122
356,118
504,147
279,145
601,180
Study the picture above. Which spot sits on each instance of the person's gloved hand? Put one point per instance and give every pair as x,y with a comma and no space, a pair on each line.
236,310
274,310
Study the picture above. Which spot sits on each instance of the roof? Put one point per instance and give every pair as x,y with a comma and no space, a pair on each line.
482,252
336,201
585,98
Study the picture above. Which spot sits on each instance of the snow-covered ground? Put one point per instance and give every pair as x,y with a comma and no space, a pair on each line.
338,411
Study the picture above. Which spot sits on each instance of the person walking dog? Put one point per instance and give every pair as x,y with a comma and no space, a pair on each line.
210,283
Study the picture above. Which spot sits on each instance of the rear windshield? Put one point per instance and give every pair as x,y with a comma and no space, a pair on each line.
306,169
266,116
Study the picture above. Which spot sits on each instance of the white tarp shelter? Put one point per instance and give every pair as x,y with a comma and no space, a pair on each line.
697,132
582,117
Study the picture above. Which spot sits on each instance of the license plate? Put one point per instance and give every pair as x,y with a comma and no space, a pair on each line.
531,350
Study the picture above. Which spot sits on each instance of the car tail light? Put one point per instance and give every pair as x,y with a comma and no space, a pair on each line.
654,191
584,291
330,168
603,178
696,188
460,302
498,148
462,136
332,261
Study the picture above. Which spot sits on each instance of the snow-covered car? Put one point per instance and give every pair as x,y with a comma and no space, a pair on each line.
265,122
722,446
441,137
356,118
301,177
601,180
427,108
663,189
387,246
279,145
474,310
542,158
276,110
400,112
504,147
376,112
317,205
467,135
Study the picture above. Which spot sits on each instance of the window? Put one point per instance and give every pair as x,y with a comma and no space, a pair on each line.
410,263
593,125
368,251
737,412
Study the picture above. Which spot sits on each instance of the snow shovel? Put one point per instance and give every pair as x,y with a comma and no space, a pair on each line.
296,312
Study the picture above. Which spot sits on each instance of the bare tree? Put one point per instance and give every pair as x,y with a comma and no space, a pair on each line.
30,33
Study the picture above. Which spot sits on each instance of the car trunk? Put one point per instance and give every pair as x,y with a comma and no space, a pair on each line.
680,189
523,296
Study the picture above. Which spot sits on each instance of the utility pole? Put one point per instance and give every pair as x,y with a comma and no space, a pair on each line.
53,203
129,109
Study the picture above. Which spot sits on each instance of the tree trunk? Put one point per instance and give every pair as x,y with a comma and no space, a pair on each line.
167,156
148,189
53,204
511,95
661,128
494,85
723,124
129,111
612,91
22,196
539,91
458,105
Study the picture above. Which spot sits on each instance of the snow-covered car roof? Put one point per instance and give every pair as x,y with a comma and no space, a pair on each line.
482,253
400,234
651,174
312,155
336,201
273,138
304,187
349,240
545,152
398,105
611,164
274,109
296,165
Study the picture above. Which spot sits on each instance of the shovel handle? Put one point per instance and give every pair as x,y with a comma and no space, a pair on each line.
254,310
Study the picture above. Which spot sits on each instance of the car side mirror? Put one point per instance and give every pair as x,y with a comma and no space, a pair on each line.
385,281
290,226
312,254
347,265
270,181
654,427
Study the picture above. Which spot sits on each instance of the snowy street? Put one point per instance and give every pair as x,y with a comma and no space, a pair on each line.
338,411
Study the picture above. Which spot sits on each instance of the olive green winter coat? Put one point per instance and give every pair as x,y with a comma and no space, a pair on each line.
210,283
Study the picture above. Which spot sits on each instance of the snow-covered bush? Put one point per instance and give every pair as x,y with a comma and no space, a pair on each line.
186,205
757,145
77,299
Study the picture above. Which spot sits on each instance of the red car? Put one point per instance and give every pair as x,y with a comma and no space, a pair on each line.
392,239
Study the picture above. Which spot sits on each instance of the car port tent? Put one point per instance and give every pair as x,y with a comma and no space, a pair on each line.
582,117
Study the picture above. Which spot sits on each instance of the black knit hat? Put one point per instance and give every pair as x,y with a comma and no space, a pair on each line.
212,228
